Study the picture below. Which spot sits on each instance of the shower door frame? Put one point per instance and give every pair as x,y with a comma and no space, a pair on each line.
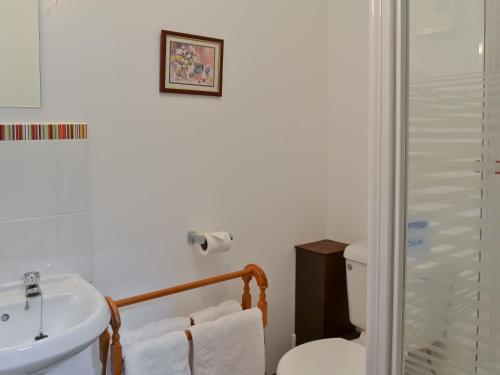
387,196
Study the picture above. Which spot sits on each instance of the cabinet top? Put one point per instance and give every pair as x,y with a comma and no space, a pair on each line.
323,247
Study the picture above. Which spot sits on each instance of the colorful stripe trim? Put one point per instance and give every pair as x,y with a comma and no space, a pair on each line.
39,132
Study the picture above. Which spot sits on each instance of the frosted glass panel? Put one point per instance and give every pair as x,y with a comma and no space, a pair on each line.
452,268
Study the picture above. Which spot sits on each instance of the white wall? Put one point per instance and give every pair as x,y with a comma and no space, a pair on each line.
347,196
253,162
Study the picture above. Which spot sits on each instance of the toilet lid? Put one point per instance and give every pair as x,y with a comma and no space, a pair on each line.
324,357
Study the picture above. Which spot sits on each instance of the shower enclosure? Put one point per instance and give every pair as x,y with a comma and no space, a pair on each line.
450,321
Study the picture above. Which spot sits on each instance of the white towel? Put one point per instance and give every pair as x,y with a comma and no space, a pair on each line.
167,354
231,345
153,330
214,312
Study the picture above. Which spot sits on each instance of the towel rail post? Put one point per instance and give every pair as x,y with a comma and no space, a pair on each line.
103,350
246,298
247,274
262,305
116,346
261,279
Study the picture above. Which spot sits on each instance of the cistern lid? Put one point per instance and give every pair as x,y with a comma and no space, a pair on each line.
357,252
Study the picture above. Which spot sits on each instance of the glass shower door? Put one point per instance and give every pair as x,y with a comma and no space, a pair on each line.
451,322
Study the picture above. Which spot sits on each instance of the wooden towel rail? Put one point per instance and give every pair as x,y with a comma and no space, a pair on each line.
247,273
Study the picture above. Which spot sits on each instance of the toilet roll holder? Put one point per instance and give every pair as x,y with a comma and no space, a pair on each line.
195,238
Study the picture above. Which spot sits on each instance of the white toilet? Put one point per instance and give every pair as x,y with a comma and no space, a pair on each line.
337,356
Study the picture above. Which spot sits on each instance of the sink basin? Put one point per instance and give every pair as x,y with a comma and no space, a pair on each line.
74,315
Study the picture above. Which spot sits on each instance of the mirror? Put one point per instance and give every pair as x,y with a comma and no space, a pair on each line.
19,54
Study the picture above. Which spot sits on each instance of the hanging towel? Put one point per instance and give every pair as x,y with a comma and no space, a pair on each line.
154,329
214,312
167,354
231,345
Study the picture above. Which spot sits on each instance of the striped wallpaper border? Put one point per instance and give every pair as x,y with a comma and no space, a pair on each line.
42,132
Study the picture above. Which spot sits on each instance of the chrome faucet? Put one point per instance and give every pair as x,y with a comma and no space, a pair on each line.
32,286
32,289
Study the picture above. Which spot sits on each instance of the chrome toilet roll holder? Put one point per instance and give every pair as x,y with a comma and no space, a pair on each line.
195,238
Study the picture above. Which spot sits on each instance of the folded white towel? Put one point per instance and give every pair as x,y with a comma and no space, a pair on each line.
214,312
167,354
154,329
231,345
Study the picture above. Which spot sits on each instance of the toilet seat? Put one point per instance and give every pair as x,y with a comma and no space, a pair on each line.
324,357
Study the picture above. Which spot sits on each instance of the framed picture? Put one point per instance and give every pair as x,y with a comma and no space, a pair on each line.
190,64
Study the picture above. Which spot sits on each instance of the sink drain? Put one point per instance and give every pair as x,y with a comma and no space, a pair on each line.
4,317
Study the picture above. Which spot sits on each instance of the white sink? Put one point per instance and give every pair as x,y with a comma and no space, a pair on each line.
74,315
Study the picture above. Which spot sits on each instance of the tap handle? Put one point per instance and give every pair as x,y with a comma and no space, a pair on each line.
31,278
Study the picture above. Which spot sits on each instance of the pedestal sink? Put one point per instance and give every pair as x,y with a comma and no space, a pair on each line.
74,315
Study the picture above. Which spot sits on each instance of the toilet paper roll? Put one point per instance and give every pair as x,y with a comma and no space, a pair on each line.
215,243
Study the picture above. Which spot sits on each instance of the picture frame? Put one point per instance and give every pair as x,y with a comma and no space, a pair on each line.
191,64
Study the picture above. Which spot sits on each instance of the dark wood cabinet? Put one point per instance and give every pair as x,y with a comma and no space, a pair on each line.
321,304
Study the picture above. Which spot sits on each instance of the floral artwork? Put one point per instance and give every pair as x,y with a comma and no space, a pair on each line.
191,64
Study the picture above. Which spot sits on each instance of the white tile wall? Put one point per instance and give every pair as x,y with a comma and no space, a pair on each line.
74,244
44,208
14,242
13,181
73,157
44,178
